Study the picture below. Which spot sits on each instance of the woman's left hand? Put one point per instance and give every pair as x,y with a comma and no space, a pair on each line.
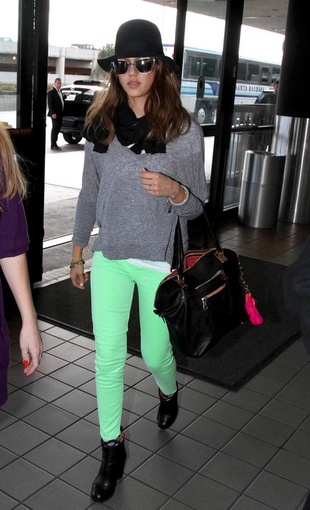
159,185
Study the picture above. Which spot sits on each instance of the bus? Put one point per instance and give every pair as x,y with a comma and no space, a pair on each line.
201,80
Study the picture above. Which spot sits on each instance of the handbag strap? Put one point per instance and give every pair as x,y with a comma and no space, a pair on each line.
210,230
178,251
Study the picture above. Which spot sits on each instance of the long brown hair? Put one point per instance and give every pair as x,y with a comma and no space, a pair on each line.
12,180
168,118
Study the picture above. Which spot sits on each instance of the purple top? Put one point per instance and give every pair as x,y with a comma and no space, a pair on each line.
13,241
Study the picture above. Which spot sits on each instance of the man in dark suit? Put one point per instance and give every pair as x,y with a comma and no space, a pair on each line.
55,108
269,97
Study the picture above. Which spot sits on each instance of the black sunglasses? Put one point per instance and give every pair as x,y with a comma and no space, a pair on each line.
142,65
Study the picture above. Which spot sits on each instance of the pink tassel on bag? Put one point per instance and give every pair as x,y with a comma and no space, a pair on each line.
253,313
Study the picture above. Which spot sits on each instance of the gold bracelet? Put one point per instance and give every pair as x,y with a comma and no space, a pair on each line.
79,262
184,199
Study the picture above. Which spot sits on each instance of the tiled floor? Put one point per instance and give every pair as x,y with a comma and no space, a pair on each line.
240,450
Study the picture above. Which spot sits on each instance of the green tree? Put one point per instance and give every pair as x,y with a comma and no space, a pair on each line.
105,51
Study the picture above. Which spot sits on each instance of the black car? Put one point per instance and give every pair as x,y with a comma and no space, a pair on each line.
77,99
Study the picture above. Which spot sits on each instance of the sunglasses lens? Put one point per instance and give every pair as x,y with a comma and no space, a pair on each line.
120,66
144,65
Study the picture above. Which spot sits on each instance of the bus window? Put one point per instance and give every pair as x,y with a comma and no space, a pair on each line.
253,72
209,67
275,73
194,67
241,74
265,74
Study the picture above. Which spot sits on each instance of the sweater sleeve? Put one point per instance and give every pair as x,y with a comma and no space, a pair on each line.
192,173
13,228
85,216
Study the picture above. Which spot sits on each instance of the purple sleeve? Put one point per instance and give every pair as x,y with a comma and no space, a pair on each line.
14,238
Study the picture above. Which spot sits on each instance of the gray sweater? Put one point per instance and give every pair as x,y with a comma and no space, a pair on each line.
133,224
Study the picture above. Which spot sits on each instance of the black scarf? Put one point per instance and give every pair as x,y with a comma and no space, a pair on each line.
130,131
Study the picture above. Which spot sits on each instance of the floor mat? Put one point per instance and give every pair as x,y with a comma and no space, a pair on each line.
235,358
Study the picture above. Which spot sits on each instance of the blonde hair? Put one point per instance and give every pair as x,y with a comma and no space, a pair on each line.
163,108
12,180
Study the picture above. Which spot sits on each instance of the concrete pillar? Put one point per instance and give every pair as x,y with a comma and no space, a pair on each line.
61,64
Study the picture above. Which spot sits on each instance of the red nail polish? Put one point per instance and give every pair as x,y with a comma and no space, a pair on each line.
25,363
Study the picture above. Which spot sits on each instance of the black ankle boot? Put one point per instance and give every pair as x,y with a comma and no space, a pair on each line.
111,469
167,411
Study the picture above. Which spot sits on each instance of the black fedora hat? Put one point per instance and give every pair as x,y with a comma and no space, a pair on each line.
137,38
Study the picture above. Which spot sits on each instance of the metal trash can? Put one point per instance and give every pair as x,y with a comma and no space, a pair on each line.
261,189
295,198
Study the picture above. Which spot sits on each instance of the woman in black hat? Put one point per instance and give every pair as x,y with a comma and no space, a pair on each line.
143,169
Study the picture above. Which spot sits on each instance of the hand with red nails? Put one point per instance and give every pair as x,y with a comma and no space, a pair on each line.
30,343
16,274
14,241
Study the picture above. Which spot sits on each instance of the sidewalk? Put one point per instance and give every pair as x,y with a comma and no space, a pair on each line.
63,178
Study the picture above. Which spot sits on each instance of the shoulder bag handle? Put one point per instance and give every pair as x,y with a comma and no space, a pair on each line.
178,252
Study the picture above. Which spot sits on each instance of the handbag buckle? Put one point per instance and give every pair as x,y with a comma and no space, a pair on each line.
181,281
220,255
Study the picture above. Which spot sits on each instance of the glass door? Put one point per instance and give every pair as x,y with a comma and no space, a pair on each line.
258,73
8,64
202,69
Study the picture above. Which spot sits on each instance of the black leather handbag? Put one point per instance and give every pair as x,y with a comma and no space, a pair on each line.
203,297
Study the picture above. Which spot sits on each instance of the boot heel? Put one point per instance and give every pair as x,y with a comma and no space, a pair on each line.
120,470
120,473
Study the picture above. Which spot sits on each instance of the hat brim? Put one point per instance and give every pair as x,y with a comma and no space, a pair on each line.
105,63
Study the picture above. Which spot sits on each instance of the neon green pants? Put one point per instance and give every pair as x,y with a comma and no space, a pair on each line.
112,286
